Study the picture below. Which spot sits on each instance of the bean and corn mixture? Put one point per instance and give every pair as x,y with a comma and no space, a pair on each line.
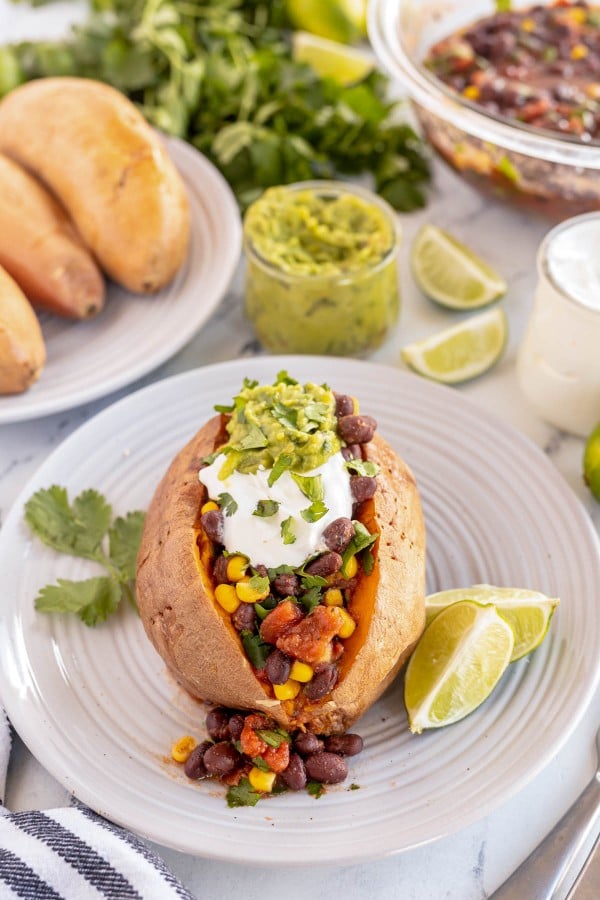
254,757
539,66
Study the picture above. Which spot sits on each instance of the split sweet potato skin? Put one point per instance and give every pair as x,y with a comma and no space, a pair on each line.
22,349
95,152
200,646
41,250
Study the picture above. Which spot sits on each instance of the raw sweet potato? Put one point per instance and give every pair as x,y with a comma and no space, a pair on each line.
22,350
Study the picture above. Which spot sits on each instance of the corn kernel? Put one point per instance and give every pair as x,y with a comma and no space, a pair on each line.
301,671
333,597
593,90
471,92
226,597
249,594
209,506
351,567
579,51
528,25
236,568
261,781
287,691
182,748
348,624
355,406
577,15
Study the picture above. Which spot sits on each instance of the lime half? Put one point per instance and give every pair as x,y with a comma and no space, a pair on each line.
461,352
457,663
591,462
450,273
527,612
330,58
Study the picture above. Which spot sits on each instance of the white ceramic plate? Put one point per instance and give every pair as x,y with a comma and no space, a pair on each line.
97,709
134,334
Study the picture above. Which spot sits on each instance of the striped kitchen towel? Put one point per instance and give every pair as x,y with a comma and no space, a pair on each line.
73,854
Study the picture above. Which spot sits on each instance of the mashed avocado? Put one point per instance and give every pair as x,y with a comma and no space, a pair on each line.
321,274
281,426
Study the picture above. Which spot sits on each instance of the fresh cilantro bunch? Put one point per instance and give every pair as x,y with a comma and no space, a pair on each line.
86,528
220,74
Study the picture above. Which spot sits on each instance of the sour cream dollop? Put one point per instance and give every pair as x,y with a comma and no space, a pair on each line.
260,538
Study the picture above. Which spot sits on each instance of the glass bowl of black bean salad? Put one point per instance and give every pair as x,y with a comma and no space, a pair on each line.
506,91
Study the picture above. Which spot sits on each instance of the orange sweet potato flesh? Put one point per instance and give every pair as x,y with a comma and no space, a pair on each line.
41,250
199,644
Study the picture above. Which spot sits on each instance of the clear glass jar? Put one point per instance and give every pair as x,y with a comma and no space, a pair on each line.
558,363
347,312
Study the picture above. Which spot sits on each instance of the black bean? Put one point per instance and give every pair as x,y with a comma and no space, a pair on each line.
212,522
295,774
236,724
221,759
328,768
261,570
306,743
194,765
287,585
220,570
278,667
217,724
344,744
338,534
357,429
244,617
344,405
327,564
362,487
322,682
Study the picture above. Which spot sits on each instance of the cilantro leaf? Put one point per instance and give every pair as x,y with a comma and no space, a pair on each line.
224,408
311,581
281,465
362,467
274,737
227,503
255,439
280,570
311,598
310,485
315,789
259,583
124,537
250,383
242,794
92,600
266,508
256,649
260,763
362,540
284,378
284,415
76,529
287,531
314,512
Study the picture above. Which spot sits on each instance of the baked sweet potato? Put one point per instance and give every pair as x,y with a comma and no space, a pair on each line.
176,582
94,151
22,350
41,250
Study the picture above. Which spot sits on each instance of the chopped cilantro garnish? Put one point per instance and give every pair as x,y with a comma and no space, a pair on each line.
281,465
255,439
315,789
274,737
260,763
311,581
284,378
242,794
362,467
287,531
311,598
310,485
256,649
314,512
227,503
266,508
361,540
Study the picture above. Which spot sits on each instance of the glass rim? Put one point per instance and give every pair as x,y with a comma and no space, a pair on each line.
542,257
334,188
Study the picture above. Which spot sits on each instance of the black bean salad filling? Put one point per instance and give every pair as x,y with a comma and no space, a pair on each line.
254,757
539,65
293,621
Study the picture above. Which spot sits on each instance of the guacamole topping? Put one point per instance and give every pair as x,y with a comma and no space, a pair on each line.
286,426
311,232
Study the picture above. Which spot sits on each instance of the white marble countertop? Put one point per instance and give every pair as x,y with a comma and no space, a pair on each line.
468,865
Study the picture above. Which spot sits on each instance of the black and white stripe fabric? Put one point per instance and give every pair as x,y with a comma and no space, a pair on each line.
73,854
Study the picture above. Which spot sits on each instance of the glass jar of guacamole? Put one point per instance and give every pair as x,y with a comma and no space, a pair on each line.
321,272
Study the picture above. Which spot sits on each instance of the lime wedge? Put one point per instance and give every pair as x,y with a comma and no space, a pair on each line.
330,58
591,462
527,612
457,663
450,273
338,20
461,352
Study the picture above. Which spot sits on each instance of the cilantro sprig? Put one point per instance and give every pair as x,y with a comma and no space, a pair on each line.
86,528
